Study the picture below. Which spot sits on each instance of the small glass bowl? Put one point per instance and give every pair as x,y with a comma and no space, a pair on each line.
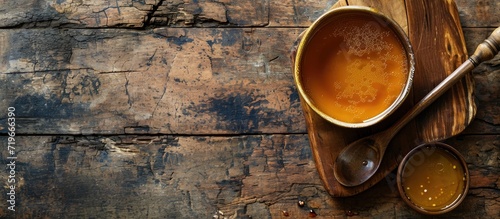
424,169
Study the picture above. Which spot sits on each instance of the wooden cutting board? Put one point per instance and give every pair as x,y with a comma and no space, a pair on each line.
434,30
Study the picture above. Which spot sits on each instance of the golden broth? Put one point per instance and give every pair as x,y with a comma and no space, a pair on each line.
354,68
433,179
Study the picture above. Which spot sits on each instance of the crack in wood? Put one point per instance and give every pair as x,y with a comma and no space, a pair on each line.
160,99
129,98
150,14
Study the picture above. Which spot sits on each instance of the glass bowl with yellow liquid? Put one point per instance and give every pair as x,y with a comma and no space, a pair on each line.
433,178
354,66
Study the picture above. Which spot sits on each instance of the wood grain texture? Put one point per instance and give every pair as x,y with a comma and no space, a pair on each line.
479,13
487,80
439,48
158,13
191,81
197,177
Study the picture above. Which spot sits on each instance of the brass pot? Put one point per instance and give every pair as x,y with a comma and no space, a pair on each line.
320,31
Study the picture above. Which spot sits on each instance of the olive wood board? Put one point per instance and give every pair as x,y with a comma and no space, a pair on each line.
435,33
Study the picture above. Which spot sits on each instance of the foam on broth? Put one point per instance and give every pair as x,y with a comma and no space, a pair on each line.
354,68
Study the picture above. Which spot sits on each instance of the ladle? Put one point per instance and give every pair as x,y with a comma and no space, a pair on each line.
360,160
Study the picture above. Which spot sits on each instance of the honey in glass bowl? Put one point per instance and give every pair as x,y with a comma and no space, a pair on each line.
355,67
433,179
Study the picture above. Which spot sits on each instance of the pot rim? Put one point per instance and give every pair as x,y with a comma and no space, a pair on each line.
328,17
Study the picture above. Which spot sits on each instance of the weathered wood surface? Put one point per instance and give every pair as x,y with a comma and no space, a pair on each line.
187,81
195,177
146,13
130,109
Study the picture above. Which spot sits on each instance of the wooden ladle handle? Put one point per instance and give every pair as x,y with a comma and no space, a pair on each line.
487,49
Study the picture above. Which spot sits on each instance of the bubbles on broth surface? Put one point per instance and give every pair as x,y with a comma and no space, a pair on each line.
359,87
360,67
362,40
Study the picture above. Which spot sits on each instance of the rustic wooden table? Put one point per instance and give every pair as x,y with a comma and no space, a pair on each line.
187,109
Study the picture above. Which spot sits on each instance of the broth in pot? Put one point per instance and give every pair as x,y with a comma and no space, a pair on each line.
354,68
